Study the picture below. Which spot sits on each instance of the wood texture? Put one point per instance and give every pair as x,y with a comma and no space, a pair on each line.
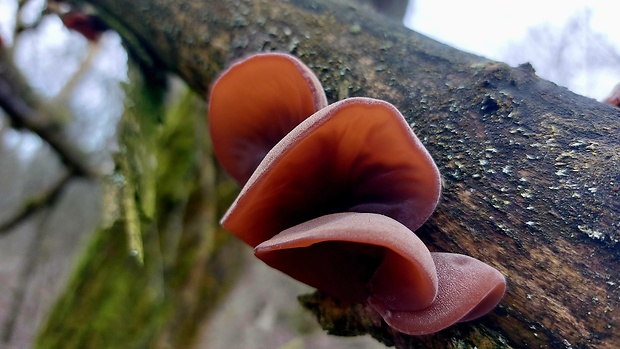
530,170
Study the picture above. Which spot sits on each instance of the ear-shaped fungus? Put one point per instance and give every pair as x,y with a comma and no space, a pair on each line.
91,27
356,155
614,96
356,255
333,193
467,289
256,102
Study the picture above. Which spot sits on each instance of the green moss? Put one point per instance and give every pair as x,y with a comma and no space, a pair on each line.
171,183
109,301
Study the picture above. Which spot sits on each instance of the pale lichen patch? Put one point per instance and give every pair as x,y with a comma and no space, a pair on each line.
594,234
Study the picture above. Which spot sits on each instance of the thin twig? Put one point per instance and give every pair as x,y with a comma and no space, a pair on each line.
24,279
47,200
23,115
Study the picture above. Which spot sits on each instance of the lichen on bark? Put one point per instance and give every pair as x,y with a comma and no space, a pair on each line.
530,170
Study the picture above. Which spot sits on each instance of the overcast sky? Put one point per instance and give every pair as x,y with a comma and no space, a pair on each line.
489,28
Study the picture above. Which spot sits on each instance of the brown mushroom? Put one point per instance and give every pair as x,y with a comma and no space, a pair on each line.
366,257
614,96
332,199
91,27
256,102
467,289
356,155
353,256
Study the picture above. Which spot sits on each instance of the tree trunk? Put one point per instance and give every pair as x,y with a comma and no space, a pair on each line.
531,178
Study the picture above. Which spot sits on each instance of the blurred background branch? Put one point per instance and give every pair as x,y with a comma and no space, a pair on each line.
25,111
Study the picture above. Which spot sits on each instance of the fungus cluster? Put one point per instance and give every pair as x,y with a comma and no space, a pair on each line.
333,193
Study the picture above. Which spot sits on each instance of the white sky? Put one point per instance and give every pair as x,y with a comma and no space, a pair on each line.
487,27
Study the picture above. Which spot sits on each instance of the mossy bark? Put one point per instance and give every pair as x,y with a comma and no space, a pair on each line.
155,266
530,170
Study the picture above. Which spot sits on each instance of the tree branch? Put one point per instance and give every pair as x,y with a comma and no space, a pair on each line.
46,200
530,170
18,101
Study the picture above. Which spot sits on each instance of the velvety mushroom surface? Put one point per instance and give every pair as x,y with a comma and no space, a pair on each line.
356,155
356,255
256,102
467,289
332,194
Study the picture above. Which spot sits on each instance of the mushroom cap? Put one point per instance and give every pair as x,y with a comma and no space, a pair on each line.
356,155
353,256
254,103
614,96
91,27
467,289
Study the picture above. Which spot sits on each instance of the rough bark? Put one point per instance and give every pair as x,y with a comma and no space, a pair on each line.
530,169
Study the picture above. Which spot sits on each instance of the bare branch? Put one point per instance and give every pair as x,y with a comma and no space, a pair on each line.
46,200
19,103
